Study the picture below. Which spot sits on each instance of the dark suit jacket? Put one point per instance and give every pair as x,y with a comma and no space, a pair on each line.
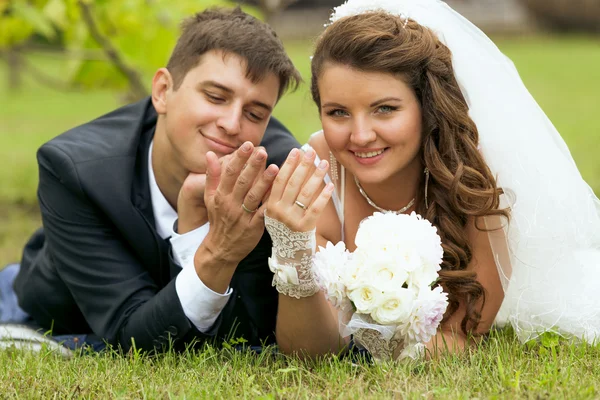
99,266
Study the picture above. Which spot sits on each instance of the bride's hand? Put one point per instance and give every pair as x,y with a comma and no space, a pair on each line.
299,196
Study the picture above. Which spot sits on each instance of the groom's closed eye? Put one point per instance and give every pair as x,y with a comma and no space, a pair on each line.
214,98
255,116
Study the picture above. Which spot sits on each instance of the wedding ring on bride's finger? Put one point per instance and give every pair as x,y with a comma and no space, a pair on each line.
247,209
301,205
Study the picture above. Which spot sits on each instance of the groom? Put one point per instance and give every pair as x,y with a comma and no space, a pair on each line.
152,228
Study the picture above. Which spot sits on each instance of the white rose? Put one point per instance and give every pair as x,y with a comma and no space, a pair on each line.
354,274
422,277
365,298
409,259
394,307
388,277
410,237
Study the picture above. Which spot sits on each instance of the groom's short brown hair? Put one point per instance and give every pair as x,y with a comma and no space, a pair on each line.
235,32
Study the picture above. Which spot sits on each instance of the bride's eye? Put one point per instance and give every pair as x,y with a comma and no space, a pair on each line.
386,109
337,113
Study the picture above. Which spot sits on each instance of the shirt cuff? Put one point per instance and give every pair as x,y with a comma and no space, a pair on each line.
200,304
185,246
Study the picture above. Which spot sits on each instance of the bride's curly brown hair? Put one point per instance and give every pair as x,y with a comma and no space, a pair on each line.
461,186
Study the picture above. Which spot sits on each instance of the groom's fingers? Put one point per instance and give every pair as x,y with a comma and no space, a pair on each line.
247,178
213,175
260,189
232,170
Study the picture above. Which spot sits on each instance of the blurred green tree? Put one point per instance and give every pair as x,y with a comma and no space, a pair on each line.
108,43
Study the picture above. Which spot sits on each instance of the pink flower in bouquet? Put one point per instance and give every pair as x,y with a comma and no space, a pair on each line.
427,313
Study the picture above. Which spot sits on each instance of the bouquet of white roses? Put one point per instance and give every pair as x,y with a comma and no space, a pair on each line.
385,289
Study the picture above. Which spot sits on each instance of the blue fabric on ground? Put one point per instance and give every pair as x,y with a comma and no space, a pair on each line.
11,313
77,342
9,307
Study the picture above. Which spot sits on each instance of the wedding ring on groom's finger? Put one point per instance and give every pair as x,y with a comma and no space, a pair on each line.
301,205
247,209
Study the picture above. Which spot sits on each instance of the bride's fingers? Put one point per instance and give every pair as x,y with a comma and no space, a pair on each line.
316,208
296,181
287,169
313,185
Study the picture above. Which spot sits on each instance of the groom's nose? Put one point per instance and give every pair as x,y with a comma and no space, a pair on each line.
230,120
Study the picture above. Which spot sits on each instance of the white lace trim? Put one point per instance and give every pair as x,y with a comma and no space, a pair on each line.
380,348
291,259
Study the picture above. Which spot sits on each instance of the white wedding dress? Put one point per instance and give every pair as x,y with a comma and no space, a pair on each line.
548,254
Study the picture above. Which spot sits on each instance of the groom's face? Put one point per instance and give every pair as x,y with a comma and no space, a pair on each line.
216,108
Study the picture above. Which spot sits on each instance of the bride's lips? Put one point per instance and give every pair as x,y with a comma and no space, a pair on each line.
369,160
219,146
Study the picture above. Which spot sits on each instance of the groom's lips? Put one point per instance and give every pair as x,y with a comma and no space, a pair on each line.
219,146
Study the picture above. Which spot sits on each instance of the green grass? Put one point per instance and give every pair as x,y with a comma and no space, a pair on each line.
501,368
563,74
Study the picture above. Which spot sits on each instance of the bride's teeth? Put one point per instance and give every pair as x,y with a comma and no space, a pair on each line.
369,154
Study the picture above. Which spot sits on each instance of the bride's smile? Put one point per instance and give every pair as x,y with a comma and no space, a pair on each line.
369,156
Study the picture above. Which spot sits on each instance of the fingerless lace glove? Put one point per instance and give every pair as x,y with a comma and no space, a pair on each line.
291,260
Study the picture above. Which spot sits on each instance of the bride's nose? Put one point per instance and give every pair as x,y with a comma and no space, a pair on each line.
362,132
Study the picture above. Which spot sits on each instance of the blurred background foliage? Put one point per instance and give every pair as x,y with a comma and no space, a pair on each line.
106,43
65,62
566,15
116,43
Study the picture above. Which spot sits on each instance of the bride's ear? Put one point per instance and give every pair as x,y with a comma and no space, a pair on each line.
162,84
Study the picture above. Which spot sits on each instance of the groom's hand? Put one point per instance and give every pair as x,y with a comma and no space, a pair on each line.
191,208
233,197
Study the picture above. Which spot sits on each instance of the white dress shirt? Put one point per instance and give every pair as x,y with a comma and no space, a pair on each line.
201,305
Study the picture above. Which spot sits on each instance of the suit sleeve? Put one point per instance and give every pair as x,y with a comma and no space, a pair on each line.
114,292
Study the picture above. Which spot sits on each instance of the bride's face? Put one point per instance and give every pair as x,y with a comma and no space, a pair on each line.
371,122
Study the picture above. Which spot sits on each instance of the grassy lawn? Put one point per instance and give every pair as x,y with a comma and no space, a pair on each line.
563,74
502,368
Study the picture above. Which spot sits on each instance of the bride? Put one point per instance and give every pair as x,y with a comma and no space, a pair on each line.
421,112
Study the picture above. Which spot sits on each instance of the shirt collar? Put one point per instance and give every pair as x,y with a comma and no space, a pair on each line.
164,215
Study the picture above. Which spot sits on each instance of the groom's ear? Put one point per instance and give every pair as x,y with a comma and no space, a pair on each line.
162,84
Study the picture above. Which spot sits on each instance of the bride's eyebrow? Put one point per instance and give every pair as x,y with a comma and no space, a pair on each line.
374,104
384,100
337,105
